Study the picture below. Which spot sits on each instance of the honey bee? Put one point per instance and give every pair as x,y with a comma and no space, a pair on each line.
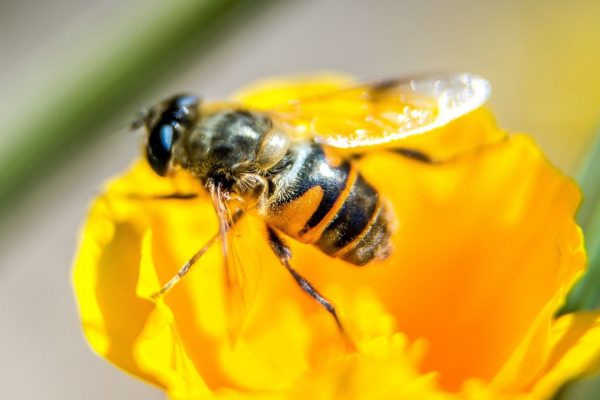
293,163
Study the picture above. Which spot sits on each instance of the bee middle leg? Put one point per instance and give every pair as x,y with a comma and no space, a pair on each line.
413,154
423,157
283,252
416,155
167,196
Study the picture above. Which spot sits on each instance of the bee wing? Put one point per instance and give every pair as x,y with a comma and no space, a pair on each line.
377,113
240,279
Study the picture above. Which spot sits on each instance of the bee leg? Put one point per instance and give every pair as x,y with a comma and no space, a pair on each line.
184,269
169,196
283,252
416,155
190,263
408,153
423,157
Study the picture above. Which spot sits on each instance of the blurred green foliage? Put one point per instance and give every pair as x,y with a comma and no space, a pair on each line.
586,294
109,77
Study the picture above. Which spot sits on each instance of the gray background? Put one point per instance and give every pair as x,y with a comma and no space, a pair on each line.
543,59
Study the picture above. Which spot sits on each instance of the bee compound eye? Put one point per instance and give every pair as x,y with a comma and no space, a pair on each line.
159,147
187,100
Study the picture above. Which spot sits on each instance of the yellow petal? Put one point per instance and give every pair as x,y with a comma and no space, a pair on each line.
575,352
105,277
270,93
485,244
484,252
381,371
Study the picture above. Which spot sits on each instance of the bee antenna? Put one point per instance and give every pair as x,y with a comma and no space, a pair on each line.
139,120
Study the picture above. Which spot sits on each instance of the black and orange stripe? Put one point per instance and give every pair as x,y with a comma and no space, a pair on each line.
332,206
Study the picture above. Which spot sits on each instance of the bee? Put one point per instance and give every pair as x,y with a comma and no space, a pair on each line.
293,163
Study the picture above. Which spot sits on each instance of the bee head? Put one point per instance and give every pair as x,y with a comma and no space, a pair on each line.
165,123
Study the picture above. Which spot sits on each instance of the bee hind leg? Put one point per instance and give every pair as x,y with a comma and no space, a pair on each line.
283,252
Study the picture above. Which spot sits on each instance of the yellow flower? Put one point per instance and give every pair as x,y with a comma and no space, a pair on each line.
463,308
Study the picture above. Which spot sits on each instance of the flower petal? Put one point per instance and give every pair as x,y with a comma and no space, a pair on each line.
270,93
105,277
484,253
575,352
485,244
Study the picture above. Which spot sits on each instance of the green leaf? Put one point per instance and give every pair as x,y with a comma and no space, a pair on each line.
586,294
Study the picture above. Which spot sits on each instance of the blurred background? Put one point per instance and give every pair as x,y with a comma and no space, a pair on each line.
74,72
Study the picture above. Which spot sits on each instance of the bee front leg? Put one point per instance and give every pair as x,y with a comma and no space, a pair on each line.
283,252
185,268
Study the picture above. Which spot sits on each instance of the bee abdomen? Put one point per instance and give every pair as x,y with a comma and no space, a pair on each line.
333,207
373,243
359,231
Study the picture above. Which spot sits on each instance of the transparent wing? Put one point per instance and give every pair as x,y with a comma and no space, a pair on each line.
376,113
242,265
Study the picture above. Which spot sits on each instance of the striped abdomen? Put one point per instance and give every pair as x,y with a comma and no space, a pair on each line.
330,206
